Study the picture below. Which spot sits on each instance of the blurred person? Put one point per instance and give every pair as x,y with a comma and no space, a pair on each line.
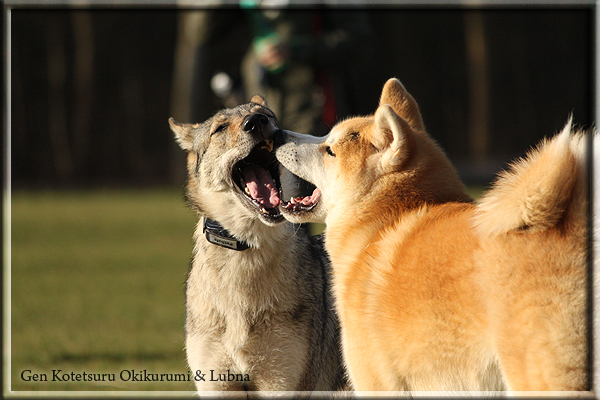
303,61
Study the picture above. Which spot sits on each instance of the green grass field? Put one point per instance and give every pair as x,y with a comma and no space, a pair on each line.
97,286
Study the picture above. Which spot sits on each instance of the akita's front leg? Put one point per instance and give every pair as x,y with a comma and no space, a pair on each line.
364,369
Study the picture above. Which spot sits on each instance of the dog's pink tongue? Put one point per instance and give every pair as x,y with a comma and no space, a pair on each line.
261,186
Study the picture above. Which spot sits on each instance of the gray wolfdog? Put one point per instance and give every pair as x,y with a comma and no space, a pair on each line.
259,312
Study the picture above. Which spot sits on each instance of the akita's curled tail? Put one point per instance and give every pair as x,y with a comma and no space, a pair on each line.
546,188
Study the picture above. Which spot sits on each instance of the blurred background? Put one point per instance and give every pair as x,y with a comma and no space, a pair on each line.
101,236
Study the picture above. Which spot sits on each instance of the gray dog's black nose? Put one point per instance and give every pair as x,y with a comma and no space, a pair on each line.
255,121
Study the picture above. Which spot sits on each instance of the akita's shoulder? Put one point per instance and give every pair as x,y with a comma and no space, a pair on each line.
434,224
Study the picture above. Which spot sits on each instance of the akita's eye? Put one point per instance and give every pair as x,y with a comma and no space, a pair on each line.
329,151
221,128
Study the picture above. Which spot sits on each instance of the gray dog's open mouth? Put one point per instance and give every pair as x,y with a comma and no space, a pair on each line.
257,177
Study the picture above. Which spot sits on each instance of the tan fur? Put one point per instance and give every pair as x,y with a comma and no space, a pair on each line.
533,263
428,301
529,196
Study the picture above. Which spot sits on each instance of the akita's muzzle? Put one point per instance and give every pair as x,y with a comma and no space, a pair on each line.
302,206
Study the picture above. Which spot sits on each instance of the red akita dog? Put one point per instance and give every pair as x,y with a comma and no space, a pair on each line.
433,291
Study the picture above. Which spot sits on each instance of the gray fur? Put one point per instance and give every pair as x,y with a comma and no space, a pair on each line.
267,311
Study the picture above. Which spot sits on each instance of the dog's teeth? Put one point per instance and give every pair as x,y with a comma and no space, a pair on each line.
247,191
293,200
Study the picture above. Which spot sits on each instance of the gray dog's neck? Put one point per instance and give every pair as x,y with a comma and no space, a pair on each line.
219,236
243,235
244,273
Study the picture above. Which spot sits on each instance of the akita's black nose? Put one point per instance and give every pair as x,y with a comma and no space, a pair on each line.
279,138
255,122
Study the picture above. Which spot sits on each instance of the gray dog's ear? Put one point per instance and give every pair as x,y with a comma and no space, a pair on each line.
258,99
184,134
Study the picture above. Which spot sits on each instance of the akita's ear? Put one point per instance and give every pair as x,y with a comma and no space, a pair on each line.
184,134
258,99
391,136
402,102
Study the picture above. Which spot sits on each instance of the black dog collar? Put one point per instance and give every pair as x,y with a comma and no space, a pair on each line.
218,235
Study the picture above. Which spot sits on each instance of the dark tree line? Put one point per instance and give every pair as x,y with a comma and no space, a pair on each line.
92,89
